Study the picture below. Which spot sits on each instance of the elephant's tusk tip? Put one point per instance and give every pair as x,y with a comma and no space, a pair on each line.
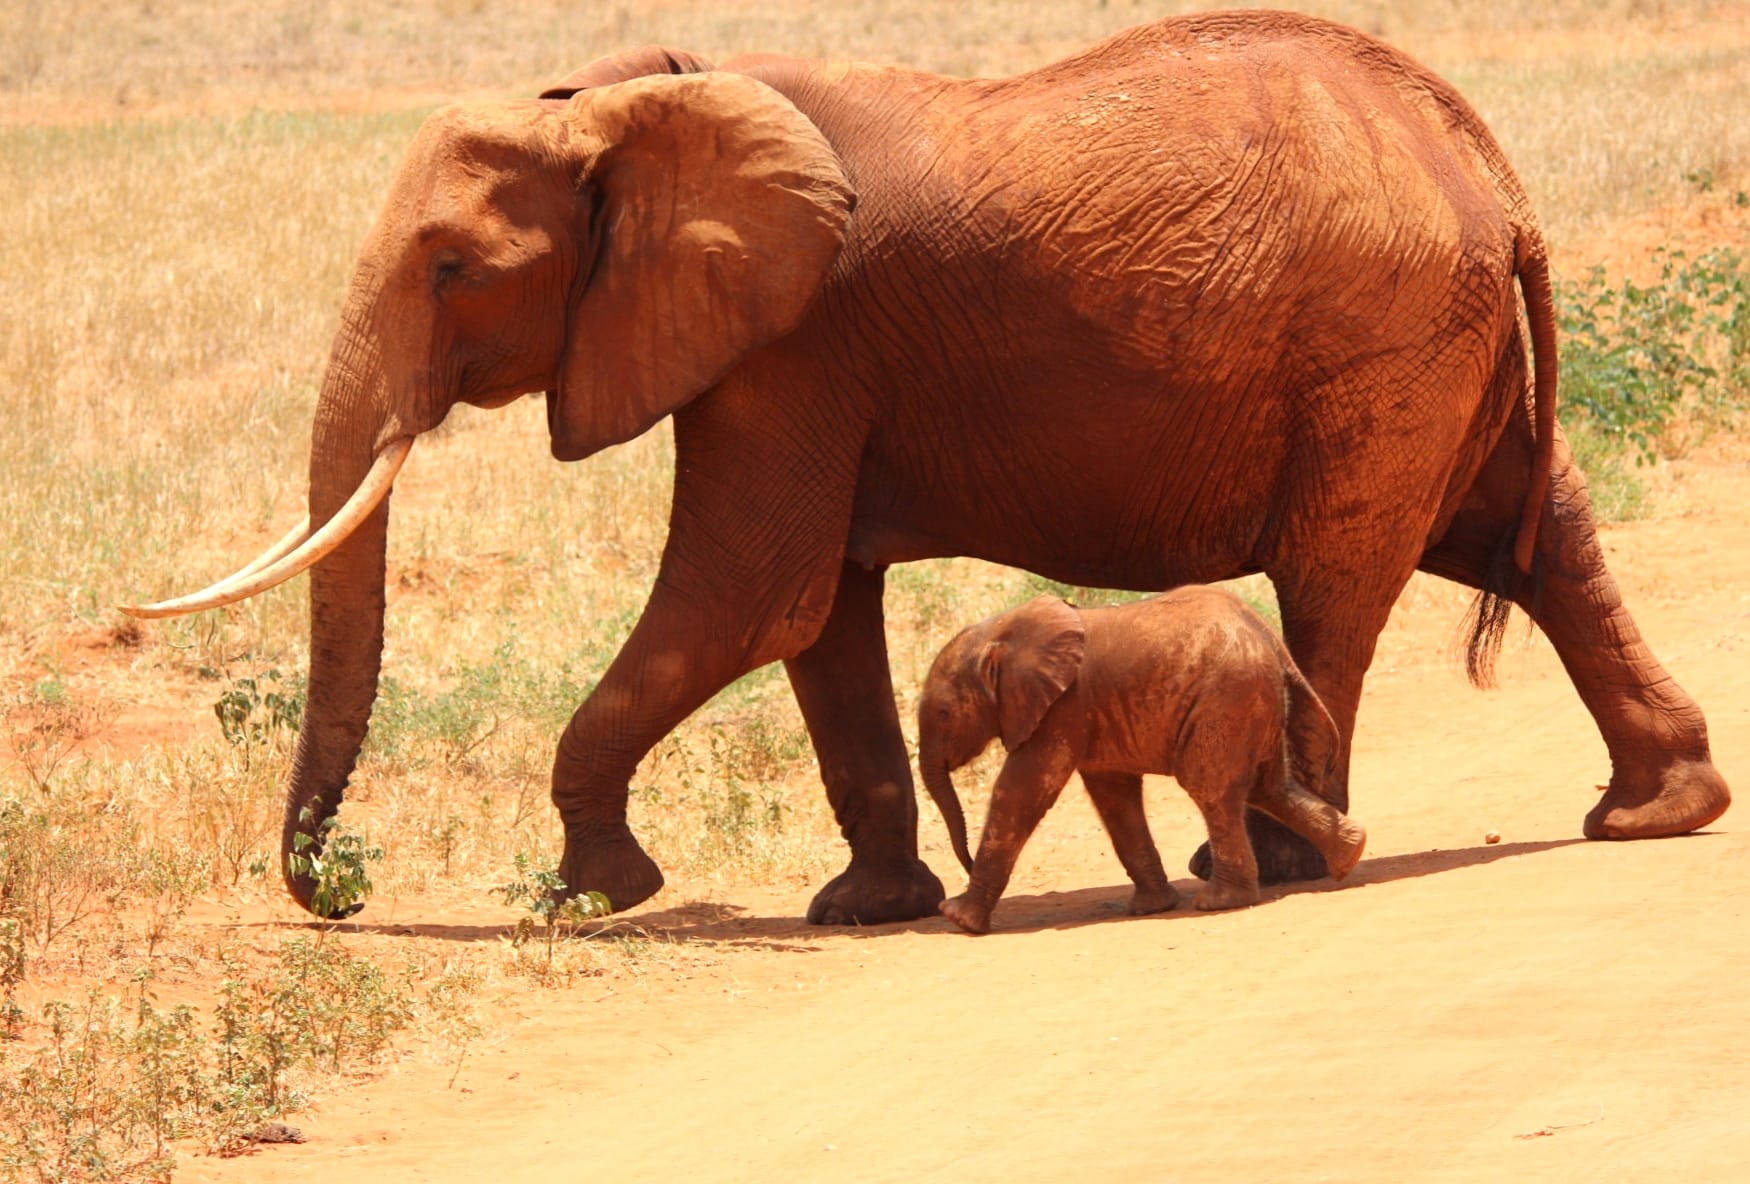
149,612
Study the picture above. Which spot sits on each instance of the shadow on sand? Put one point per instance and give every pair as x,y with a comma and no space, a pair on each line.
1093,906
712,923
701,922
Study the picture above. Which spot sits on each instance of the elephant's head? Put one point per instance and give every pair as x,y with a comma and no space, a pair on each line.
621,250
994,680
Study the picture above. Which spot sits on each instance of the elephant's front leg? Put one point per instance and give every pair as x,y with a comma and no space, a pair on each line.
755,547
674,661
845,689
1030,781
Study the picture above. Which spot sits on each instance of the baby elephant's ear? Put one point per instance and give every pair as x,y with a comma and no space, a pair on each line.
1041,653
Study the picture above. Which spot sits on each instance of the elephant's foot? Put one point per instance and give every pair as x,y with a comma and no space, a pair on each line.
1162,898
1225,894
1283,856
870,893
1648,802
618,869
967,913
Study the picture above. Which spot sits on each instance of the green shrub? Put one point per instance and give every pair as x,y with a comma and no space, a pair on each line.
250,712
1639,360
67,855
112,1085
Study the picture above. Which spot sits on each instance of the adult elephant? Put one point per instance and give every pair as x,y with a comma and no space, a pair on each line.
1224,294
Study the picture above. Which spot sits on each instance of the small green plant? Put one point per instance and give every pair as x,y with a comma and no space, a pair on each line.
12,966
446,838
448,1014
340,870
65,857
44,727
320,1006
539,889
169,880
171,1086
344,1008
256,1045
229,807
251,712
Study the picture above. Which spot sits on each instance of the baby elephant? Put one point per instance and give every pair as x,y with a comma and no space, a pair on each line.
1191,683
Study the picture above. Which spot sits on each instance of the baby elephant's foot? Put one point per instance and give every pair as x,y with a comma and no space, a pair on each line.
1151,899
967,913
1346,852
1221,894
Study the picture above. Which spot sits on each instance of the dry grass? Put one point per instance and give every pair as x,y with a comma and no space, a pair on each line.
186,187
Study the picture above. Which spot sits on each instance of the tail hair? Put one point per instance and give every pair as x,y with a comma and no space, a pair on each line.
1486,621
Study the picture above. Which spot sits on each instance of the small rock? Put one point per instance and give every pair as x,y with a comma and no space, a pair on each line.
274,1132
1492,837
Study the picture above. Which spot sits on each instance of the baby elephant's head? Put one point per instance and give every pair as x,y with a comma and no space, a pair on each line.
995,679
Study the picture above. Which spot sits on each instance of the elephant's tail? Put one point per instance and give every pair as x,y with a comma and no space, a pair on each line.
1531,264
1314,743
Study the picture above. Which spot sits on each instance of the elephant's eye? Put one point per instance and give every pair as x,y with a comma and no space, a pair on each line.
446,267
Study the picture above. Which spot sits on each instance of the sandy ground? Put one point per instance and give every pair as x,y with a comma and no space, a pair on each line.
1541,1009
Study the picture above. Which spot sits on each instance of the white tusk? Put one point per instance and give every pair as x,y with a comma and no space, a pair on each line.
285,546
334,532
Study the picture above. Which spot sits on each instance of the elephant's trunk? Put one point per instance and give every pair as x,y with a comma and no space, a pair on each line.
939,781
346,596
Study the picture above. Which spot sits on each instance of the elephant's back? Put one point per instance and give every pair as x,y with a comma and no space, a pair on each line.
1193,667
1297,180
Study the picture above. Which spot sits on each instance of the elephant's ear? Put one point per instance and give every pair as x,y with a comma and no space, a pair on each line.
1033,663
715,208
628,63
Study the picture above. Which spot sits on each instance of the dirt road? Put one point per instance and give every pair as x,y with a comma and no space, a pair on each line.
1541,1009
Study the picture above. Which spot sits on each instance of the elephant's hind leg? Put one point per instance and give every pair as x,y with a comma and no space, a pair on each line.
1663,781
1332,614
1117,798
845,689
1233,875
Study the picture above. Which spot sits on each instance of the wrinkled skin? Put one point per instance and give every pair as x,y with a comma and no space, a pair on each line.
1224,294
1191,684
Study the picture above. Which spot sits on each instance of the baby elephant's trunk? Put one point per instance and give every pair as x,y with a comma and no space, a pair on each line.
940,783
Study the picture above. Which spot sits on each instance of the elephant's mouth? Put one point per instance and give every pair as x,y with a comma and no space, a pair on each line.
297,551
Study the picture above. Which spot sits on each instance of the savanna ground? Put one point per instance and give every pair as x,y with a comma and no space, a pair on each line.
185,187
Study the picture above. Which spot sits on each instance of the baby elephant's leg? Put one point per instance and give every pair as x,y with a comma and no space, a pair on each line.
1233,881
1118,798
1029,783
1339,838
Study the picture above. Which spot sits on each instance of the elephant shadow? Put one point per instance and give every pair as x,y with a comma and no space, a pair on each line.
693,922
1027,913
1023,913
732,926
